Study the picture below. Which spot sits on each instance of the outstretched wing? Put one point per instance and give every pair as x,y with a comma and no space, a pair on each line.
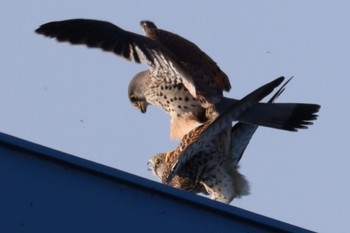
196,139
193,58
166,61
241,133
104,35
134,47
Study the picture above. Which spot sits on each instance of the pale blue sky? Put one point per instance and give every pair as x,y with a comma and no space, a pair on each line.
74,99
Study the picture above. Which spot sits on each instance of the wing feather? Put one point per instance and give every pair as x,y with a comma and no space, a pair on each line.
241,133
195,140
129,45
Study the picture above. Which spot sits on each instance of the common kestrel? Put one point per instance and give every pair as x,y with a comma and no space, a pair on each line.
206,161
181,79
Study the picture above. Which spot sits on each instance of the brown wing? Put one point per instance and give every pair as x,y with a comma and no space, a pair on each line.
164,66
208,78
101,34
197,139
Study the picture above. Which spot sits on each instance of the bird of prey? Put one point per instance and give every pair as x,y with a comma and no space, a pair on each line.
181,79
206,161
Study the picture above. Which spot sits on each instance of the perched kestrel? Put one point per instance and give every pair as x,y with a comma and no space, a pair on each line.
206,161
181,79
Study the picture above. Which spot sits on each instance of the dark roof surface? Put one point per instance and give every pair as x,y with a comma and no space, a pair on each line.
45,190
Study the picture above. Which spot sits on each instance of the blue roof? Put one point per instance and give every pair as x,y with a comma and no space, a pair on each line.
45,190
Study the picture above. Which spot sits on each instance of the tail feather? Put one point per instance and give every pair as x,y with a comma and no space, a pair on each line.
285,116
242,133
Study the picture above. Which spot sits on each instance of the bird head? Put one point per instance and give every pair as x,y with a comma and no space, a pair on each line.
147,24
136,91
157,165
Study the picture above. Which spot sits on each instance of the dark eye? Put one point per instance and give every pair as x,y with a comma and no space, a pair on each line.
133,99
157,161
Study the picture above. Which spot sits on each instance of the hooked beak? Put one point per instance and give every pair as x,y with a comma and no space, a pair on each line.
150,165
142,106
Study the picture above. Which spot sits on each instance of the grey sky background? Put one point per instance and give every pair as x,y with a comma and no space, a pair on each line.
74,99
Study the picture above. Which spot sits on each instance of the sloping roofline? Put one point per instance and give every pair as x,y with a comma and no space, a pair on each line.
201,204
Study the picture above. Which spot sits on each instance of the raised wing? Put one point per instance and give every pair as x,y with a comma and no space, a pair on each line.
192,57
241,133
104,35
196,139
164,66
